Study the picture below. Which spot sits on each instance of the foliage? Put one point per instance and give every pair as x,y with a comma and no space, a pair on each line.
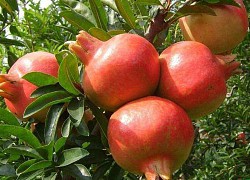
66,145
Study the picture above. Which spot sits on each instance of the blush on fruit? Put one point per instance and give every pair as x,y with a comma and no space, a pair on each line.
151,136
16,91
117,71
194,78
221,33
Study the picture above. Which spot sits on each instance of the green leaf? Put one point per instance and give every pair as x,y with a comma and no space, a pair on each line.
69,74
23,150
36,166
7,170
111,4
148,2
101,120
223,2
77,171
72,155
99,14
40,79
195,9
116,173
66,127
81,126
25,165
60,144
46,89
101,170
21,133
47,100
6,5
46,151
51,122
126,12
51,176
99,34
8,118
76,108
31,176
77,20
10,42
116,32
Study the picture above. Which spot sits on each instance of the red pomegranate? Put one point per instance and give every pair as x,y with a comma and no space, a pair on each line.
221,33
16,91
151,136
194,78
117,71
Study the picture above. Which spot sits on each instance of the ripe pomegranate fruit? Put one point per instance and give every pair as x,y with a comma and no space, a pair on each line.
151,136
194,78
117,71
221,33
16,91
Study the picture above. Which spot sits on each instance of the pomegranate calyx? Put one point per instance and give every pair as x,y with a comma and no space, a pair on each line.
85,46
8,86
230,66
158,170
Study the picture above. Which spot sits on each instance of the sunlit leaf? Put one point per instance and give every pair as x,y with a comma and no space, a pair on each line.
110,3
40,79
99,14
99,34
77,20
126,12
46,89
148,2
47,100
76,108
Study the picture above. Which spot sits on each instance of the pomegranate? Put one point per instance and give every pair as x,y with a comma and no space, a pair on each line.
151,136
117,71
16,91
194,78
221,33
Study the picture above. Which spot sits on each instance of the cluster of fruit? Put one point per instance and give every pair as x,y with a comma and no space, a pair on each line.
154,97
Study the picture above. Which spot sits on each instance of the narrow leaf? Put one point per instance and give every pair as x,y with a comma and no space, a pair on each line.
77,171
8,118
23,150
126,12
37,166
66,127
5,4
21,133
101,170
148,2
46,89
77,20
69,74
99,14
195,9
51,122
31,175
99,34
72,155
46,101
76,108
10,42
25,165
60,144
40,79
111,4
46,151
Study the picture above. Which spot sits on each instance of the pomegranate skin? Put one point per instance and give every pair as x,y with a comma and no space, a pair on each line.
221,33
16,91
151,136
117,71
194,78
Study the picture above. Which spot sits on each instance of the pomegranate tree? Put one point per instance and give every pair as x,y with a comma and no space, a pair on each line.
151,136
221,33
17,91
117,71
194,78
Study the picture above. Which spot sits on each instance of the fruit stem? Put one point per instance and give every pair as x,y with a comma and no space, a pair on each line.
85,46
230,66
8,86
